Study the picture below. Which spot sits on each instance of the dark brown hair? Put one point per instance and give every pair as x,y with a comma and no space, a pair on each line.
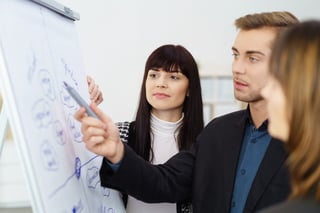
168,57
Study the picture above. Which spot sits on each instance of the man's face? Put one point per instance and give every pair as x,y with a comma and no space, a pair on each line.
252,51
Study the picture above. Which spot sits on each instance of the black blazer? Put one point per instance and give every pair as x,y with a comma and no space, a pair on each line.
207,172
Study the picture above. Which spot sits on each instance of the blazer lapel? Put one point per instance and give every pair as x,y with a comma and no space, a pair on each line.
231,151
274,158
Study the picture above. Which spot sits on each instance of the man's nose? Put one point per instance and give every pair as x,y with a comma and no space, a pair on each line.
238,66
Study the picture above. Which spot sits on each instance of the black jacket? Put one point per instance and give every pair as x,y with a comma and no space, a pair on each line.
207,172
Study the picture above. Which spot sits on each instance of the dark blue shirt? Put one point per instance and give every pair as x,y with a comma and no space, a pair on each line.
254,146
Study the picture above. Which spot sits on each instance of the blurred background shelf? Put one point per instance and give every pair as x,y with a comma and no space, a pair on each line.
217,95
14,195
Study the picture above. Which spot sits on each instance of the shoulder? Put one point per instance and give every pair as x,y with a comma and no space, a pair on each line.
227,119
223,125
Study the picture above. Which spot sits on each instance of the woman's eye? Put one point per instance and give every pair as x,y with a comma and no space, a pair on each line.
174,77
152,75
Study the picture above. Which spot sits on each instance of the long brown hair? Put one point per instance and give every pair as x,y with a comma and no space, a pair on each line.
295,62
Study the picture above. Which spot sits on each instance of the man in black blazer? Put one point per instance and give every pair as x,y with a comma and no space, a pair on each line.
235,166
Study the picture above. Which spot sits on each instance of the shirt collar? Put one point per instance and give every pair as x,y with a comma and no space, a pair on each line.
264,125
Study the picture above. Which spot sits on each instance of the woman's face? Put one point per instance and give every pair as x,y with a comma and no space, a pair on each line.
278,126
166,92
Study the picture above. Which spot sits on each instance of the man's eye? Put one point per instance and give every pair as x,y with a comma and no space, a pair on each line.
253,59
235,55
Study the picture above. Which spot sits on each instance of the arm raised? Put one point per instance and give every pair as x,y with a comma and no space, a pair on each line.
101,136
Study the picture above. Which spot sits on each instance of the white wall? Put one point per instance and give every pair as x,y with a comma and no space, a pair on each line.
116,37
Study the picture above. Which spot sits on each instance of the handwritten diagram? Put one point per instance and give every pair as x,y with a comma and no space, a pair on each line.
63,131
63,175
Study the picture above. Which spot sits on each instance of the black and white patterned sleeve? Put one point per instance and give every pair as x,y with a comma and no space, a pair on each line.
123,130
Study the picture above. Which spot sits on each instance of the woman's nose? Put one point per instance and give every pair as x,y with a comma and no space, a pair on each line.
162,83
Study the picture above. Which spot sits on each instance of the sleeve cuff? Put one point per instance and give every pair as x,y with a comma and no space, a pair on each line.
114,166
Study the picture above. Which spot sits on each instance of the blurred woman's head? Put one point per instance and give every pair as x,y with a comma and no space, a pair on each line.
295,71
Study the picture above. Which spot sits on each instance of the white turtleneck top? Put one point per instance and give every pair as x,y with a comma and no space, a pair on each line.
164,146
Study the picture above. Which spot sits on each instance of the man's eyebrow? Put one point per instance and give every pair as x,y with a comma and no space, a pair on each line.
249,52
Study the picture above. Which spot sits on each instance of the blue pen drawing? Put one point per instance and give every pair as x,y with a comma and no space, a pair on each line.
110,210
67,100
76,173
78,207
85,172
105,209
69,72
46,83
77,167
32,66
75,129
41,113
49,157
105,191
93,177
59,132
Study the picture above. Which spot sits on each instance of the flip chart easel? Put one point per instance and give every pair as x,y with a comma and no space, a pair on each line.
3,127
39,50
